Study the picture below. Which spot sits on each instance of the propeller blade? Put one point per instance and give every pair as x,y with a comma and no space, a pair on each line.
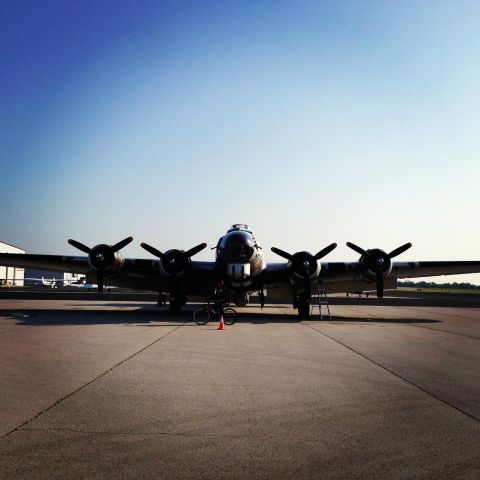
79,245
193,251
118,246
100,281
153,251
399,250
281,253
379,285
325,251
359,250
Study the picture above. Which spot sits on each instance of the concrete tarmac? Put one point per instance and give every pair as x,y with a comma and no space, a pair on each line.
114,389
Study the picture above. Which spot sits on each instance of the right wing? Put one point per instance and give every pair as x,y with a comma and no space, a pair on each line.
135,273
56,263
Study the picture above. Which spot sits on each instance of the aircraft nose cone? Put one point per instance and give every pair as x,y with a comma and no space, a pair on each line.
100,256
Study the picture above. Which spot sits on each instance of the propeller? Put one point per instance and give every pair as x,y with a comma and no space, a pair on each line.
101,257
378,262
304,264
174,261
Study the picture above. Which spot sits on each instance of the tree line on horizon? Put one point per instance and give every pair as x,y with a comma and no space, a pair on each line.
454,285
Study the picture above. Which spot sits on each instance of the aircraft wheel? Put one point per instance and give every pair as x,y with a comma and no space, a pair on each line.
303,306
175,306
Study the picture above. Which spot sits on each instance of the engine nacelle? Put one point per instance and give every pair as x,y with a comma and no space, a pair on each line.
174,263
373,262
303,265
101,257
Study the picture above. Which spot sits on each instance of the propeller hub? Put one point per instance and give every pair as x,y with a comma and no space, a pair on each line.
102,257
377,261
176,262
304,264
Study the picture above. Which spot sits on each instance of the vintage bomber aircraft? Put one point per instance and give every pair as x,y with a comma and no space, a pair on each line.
239,270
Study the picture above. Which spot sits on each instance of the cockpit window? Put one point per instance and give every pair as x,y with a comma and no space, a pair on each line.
238,251
239,227
237,245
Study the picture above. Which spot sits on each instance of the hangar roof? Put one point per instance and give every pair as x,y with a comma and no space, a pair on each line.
10,245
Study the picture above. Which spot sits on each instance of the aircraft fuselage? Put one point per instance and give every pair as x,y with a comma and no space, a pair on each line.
239,260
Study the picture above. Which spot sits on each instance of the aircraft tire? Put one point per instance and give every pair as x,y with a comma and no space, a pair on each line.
303,307
175,306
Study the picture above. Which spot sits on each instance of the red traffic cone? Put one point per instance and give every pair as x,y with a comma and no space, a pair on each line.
221,325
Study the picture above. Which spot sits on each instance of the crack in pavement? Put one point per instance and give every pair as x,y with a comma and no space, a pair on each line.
173,434
19,427
410,382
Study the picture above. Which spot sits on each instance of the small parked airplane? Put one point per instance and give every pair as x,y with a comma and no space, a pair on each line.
46,282
239,270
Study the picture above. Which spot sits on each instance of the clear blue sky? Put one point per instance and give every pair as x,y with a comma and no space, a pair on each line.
311,121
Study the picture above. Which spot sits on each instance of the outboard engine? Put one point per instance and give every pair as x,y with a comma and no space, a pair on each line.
376,264
103,258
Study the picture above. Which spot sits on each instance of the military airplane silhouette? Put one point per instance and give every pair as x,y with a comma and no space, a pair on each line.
239,270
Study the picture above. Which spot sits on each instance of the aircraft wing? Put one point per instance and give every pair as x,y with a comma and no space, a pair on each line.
346,276
57,263
140,274
431,269
337,271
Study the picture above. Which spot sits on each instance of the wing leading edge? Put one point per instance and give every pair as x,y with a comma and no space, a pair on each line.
346,276
56,263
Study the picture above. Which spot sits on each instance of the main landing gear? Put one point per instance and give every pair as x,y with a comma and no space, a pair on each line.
303,305
176,304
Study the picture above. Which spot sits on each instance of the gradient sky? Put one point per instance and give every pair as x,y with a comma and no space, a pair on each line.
313,122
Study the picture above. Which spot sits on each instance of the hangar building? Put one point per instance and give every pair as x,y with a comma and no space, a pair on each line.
11,275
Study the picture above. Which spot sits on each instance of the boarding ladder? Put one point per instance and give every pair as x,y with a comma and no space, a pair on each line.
322,301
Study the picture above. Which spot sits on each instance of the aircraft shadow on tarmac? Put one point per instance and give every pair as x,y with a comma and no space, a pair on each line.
148,315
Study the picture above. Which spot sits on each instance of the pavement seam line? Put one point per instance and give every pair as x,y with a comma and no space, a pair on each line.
410,382
90,382
415,325
173,434
472,337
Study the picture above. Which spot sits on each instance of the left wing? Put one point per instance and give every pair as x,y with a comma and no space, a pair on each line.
347,271
432,269
347,276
